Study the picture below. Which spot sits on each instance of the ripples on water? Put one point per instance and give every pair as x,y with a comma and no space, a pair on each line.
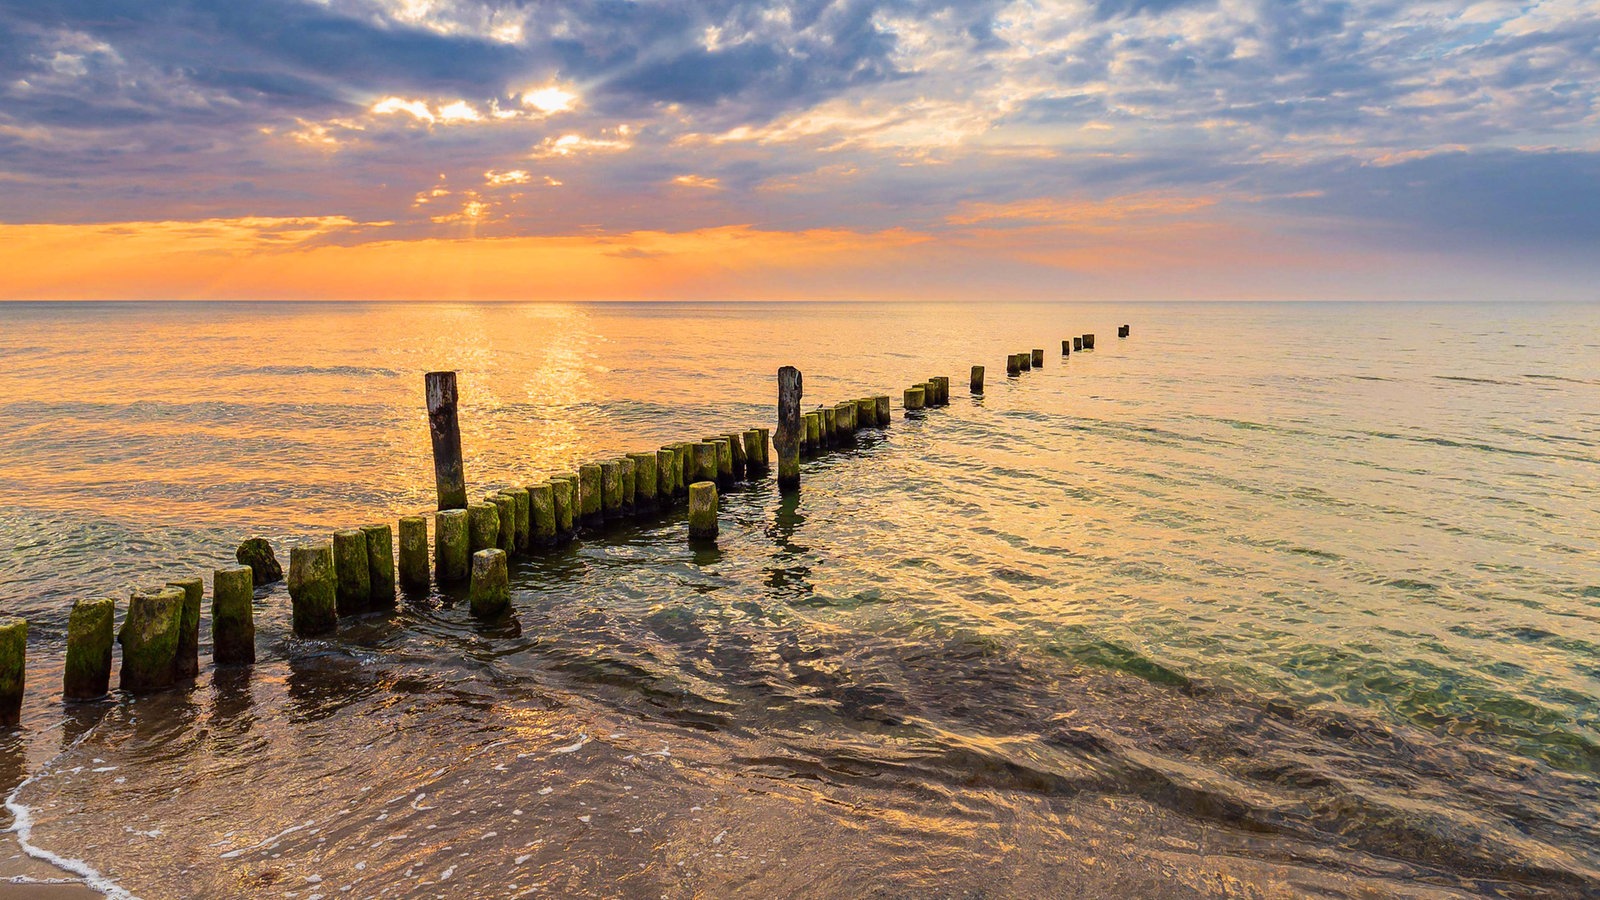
1264,601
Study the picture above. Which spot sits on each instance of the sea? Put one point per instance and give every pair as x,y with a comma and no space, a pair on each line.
1264,600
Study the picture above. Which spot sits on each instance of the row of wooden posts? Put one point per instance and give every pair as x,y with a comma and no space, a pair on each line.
357,572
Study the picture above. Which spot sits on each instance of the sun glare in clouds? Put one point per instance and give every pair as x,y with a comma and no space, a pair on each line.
549,99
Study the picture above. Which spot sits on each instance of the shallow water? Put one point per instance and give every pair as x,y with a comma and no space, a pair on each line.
1266,600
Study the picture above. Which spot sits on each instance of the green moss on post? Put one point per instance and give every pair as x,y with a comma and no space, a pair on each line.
89,633
542,504
380,564
505,508
591,511
630,489
257,554
646,482
524,511
233,622
149,639
914,398
977,379
490,591
705,463
452,545
866,413
666,476
813,422
724,460
754,467
765,441
735,441
352,577
14,668
564,497
414,553
702,510
186,662
483,527
611,488
1013,365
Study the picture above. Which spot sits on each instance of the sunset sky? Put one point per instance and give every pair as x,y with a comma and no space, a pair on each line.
1160,149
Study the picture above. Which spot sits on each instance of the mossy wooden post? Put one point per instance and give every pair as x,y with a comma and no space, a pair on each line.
977,379
524,512
1077,344
666,476
611,488
702,510
866,413
828,428
1025,361
789,436
505,507
646,483
233,618
452,545
736,448
754,467
930,395
914,398
414,553
257,554
813,422
844,415
1013,367
724,459
89,634
591,511
687,465
705,462
186,662
490,591
1038,358
766,447
483,527
1088,342
380,565
14,668
884,418
944,390
1066,347
446,432
354,579
149,638
563,497
630,486
542,505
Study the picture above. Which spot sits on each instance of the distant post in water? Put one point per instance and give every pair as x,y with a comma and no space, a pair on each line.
1066,347
1025,361
882,401
13,668
1123,331
414,552
977,379
914,398
1077,343
89,635
788,436
233,623
446,433
702,510
1088,342
1012,366
1038,358
452,545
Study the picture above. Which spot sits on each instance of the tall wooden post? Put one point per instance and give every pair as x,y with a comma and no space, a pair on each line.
446,433
788,436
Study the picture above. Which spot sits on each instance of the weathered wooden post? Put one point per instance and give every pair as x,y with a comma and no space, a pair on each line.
754,467
490,590
884,419
866,413
564,499
354,578
813,422
930,394
89,633
646,481
186,662
149,638
257,554
724,460
505,507
1066,347
542,506
630,486
741,466
414,552
688,464
1012,366
380,565
1124,331
944,390
1038,358
1025,361
914,397
452,545
705,462
14,668
1077,343
789,436
666,476
977,379
233,621
446,433
591,506
844,416
483,527
524,511
611,488
1088,342
828,430
702,510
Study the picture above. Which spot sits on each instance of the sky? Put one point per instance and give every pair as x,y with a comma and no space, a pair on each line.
947,150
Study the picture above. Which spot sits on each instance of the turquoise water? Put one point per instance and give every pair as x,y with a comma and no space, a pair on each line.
1263,600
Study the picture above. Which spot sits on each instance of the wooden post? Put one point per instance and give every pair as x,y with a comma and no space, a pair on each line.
977,379
883,410
452,545
354,579
1077,343
233,623
1123,332
1088,342
149,637
829,417
702,510
186,662
666,476
1025,361
789,436
1066,347
724,460
944,389
564,500
866,413
915,397
741,467
705,462
753,466
524,512
1013,367
590,488
688,464
414,552
380,564
89,636
1038,358
611,488
14,668
813,422
505,506
645,481
483,527
766,447
542,509
630,488
490,590
446,433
